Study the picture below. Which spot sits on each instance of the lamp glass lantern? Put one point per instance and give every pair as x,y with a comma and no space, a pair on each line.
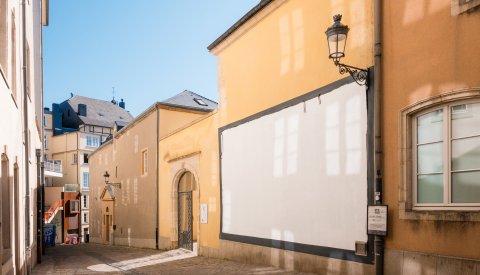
337,39
106,176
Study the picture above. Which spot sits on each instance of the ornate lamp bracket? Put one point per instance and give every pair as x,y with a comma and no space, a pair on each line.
359,75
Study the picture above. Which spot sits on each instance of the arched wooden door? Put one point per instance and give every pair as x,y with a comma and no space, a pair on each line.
185,211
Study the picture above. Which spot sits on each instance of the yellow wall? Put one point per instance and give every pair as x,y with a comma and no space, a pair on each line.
282,55
172,119
199,142
285,54
63,147
426,52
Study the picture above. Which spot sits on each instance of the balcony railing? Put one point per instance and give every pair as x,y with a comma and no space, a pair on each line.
53,168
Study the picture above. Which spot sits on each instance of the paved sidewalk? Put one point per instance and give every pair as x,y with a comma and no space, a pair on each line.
99,259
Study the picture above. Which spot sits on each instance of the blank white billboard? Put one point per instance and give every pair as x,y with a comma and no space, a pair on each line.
299,174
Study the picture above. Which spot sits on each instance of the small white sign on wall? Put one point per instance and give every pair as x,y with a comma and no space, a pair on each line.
203,213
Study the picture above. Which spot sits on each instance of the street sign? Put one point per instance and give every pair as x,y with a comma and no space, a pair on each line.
377,220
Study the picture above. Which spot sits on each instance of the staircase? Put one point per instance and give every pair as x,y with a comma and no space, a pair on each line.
52,211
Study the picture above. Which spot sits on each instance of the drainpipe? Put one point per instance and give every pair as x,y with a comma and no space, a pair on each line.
42,215
39,207
157,170
26,140
379,242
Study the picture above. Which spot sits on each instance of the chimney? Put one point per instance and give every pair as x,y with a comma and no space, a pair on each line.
122,104
82,109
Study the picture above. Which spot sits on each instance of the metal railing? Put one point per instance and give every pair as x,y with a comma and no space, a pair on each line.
54,166
50,213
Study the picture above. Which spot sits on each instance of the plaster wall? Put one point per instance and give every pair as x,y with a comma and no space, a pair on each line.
193,149
282,53
135,210
22,221
64,147
427,52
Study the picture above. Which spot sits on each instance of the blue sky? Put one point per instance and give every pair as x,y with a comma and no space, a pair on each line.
148,50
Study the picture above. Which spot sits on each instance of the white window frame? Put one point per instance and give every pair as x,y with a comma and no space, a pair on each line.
406,165
93,141
88,180
84,201
86,217
447,171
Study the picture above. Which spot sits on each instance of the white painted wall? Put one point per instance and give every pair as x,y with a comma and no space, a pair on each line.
12,121
300,174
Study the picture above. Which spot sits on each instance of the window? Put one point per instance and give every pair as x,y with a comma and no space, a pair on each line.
446,156
200,102
144,162
93,141
85,182
74,206
85,217
44,142
75,158
85,201
85,158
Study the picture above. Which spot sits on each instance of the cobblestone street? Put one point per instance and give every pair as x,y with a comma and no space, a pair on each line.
98,259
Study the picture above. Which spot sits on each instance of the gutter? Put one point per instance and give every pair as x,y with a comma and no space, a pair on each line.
379,242
26,141
260,6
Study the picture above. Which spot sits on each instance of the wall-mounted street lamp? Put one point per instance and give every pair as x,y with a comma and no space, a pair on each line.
107,178
337,39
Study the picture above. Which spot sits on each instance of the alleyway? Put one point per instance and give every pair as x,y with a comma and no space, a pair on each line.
98,259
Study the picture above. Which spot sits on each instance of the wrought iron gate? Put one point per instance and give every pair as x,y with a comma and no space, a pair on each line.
185,226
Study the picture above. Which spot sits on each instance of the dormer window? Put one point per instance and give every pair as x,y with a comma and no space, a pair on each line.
200,102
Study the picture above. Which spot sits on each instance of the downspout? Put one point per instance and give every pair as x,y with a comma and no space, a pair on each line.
157,170
42,167
379,241
26,140
39,206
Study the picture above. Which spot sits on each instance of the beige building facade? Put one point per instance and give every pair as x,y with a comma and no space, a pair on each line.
124,212
21,98
73,130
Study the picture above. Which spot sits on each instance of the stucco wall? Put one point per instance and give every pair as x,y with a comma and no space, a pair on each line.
427,52
193,149
284,54
135,210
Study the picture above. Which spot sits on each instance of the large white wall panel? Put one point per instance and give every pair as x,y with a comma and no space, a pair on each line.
300,174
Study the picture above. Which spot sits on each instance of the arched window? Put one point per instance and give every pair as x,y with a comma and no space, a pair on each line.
446,149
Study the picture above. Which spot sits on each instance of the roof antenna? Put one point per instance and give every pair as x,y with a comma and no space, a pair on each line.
113,95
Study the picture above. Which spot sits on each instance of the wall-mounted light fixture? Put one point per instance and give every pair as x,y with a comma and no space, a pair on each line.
337,39
107,177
